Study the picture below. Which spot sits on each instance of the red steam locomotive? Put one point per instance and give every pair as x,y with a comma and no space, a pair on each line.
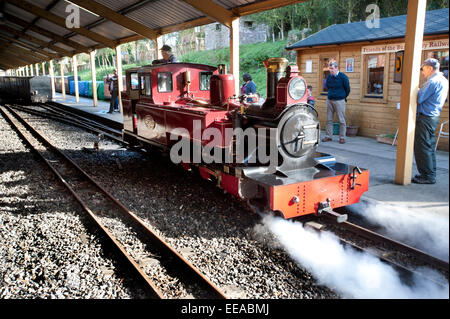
263,152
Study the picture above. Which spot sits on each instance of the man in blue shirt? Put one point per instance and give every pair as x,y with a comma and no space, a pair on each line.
338,87
430,100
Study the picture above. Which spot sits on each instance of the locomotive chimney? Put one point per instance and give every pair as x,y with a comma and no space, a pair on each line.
275,71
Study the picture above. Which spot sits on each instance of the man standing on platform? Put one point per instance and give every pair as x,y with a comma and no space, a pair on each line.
430,100
338,87
114,90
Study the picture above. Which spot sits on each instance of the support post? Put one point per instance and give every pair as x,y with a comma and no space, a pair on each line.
159,44
52,78
93,77
408,99
31,70
26,70
37,69
63,84
75,78
119,75
43,68
234,53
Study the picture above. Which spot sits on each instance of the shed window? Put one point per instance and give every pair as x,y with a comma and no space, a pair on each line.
248,24
324,71
204,80
134,85
165,83
374,75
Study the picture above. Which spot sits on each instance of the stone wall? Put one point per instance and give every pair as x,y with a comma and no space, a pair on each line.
218,36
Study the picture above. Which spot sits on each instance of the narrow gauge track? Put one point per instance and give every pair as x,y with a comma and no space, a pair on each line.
66,117
383,253
119,224
417,253
382,247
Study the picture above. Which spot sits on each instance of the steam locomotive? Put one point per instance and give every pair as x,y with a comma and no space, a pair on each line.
262,152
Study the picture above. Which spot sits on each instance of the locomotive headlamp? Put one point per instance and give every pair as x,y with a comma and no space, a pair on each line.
297,88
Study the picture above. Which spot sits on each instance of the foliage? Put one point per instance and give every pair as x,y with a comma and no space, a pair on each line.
318,14
251,57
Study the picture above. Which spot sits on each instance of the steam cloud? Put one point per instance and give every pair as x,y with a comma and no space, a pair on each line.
427,232
351,273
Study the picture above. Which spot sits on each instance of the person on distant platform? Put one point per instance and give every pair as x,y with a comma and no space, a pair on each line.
114,91
167,54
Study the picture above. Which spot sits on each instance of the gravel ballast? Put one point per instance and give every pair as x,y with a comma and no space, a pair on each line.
47,252
45,249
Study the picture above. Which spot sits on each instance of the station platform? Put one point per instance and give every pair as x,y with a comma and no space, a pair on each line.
87,105
360,151
380,160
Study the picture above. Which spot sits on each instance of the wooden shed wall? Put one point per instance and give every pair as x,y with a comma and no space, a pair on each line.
374,116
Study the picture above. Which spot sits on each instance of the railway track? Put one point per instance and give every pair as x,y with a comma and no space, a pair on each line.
66,117
386,249
120,226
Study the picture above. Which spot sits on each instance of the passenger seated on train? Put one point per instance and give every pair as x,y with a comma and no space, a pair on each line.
168,57
249,88
311,100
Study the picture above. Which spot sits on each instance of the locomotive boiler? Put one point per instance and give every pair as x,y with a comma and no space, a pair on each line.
264,152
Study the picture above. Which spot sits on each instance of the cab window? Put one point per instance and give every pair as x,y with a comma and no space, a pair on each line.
142,82
204,80
165,83
134,85
146,85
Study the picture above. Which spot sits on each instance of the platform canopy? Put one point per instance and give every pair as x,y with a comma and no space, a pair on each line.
33,31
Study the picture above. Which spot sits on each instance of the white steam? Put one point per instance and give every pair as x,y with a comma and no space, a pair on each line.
351,273
424,231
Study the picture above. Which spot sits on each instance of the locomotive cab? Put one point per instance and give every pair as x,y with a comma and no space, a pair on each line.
171,96
129,99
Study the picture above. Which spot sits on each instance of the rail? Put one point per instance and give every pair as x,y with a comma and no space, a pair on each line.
101,207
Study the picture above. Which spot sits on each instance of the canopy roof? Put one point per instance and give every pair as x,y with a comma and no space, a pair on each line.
35,30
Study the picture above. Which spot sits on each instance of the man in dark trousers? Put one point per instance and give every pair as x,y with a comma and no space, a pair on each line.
338,89
114,90
430,100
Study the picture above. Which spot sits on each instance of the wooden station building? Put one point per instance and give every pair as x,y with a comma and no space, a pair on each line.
366,53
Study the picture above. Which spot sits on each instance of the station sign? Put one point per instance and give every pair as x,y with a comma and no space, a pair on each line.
398,66
386,48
